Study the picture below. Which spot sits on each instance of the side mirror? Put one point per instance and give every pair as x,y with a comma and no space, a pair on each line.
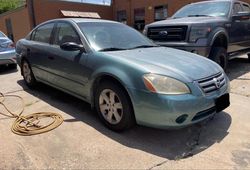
241,16
72,46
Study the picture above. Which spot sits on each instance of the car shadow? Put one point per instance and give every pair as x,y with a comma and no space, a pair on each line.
169,144
7,70
238,67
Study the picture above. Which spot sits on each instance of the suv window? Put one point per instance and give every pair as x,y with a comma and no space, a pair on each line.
237,8
246,7
43,33
66,33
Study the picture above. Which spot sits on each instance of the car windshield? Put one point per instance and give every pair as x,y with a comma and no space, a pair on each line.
104,36
213,9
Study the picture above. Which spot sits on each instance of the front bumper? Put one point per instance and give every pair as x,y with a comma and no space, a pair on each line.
8,57
193,48
163,111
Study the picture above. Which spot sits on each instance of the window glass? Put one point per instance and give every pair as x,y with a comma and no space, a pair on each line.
139,18
122,16
66,33
209,8
43,33
246,8
161,13
237,8
112,35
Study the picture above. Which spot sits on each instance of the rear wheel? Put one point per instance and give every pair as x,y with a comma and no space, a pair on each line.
219,55
114,107
28,74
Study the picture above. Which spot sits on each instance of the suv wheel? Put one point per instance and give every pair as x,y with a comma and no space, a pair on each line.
28,74
219,55
113,107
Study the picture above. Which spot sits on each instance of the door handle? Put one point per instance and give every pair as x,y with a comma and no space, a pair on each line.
51,58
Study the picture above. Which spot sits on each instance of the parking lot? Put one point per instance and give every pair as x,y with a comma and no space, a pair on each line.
83,142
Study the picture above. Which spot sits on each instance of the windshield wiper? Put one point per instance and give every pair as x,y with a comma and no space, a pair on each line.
112,49
144,46
198,15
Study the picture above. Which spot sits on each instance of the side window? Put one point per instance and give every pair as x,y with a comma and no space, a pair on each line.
43,33
246,8
237,8
66,33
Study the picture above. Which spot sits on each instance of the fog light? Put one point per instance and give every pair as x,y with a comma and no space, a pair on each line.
181,119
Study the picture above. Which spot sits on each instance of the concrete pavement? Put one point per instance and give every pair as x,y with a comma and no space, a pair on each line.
83,142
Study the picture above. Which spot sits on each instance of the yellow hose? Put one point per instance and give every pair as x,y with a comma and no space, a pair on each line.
29,125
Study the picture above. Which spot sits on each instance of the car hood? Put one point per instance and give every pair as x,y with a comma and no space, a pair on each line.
188,21
170,62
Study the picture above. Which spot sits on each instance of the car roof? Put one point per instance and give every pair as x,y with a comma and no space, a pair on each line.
80,20
216,1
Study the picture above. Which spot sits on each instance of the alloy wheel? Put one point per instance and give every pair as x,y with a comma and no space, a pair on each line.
110,106
27,72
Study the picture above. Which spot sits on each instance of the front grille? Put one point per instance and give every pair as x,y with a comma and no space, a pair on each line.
168,33
204,114
213,83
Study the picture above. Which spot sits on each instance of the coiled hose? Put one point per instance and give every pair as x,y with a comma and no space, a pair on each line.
30,124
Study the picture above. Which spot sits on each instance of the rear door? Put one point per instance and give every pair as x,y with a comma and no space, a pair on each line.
68,67
238,31
38,51
246,8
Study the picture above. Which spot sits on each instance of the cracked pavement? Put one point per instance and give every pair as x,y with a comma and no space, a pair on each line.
83,142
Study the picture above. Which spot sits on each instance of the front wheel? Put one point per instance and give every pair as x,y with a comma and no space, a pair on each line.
28,74
219,55
114,107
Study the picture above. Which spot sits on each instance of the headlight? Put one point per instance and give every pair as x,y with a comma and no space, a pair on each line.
164,85
198,32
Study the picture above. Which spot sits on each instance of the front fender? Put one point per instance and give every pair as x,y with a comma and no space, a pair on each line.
129,79
216,33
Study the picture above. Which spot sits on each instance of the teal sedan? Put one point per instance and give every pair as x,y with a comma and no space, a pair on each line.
123,75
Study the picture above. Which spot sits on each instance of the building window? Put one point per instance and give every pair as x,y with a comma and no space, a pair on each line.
161,12
122,16
139,18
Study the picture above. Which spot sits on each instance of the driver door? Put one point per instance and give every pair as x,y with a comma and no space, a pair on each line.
68,67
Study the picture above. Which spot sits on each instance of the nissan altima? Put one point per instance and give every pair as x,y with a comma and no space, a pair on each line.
123,75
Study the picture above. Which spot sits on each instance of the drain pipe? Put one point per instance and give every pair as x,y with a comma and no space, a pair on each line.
30,4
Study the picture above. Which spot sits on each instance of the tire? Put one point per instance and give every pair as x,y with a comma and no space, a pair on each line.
28,75
115,112
248,57
219,55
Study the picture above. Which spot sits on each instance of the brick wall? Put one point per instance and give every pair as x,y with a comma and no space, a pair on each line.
130,5
50,9
19,20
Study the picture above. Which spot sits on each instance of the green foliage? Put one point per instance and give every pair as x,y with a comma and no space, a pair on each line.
6,5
